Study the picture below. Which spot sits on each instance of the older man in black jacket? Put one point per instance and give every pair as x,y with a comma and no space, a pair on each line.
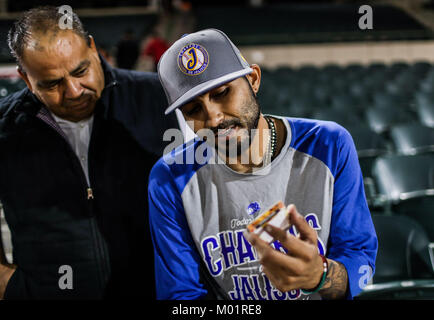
77,146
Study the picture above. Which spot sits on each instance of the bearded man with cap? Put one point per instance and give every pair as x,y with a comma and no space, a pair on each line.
199,209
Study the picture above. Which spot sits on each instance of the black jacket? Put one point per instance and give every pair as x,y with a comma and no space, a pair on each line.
44,192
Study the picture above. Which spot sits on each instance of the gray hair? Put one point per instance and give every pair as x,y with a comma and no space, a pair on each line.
41,20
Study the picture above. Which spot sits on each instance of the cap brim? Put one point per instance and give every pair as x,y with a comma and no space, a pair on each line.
206,86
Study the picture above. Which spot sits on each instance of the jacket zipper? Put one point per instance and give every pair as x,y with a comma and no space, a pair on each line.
100,247
101,244
89,193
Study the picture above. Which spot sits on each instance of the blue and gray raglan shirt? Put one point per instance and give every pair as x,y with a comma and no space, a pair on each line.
199,210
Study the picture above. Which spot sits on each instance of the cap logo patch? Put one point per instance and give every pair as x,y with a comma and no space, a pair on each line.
193,59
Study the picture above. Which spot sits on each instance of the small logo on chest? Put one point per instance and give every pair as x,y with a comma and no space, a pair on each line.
253,208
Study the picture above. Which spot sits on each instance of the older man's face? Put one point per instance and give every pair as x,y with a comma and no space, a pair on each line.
64,73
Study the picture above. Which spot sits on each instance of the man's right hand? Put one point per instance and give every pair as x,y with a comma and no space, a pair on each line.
6,272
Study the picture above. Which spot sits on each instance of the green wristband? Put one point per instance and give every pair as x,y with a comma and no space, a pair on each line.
323,278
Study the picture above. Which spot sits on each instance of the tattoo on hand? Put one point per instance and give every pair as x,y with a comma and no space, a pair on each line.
336,283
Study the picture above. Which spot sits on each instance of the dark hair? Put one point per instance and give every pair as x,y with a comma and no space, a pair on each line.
39,20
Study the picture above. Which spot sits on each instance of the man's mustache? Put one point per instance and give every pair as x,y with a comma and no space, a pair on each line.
225,125
83,98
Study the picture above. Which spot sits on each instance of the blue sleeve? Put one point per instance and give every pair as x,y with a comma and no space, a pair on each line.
352,240
176,259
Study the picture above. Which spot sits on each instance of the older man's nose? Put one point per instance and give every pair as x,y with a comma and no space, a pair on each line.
73,89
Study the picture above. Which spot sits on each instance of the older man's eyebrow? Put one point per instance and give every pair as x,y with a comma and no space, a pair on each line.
50,82
82,65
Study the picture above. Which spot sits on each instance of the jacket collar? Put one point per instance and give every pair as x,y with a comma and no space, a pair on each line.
110,81
109,74
26,103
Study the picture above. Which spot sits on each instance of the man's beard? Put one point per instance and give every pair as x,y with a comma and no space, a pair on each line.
247,125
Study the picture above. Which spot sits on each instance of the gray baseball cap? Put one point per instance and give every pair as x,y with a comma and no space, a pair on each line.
197,63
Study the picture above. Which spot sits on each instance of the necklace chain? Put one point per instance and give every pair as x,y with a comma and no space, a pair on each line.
273,136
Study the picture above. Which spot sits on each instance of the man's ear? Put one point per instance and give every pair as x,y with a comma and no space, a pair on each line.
92,44
92,47
23,75
255,78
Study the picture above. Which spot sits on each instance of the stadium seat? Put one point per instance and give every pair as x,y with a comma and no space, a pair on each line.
307,71
413,138
425,114
420,68
427,85
301,106
322,93
404,249
332,69
358,90
405,262
369,146
344,118
376,66
344,102
354,68
398,100
339,84
381,119
406,184
396,68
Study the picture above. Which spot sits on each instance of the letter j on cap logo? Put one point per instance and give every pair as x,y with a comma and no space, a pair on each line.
193,59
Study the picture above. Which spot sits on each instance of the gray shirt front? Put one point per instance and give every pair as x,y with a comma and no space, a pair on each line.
221,213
